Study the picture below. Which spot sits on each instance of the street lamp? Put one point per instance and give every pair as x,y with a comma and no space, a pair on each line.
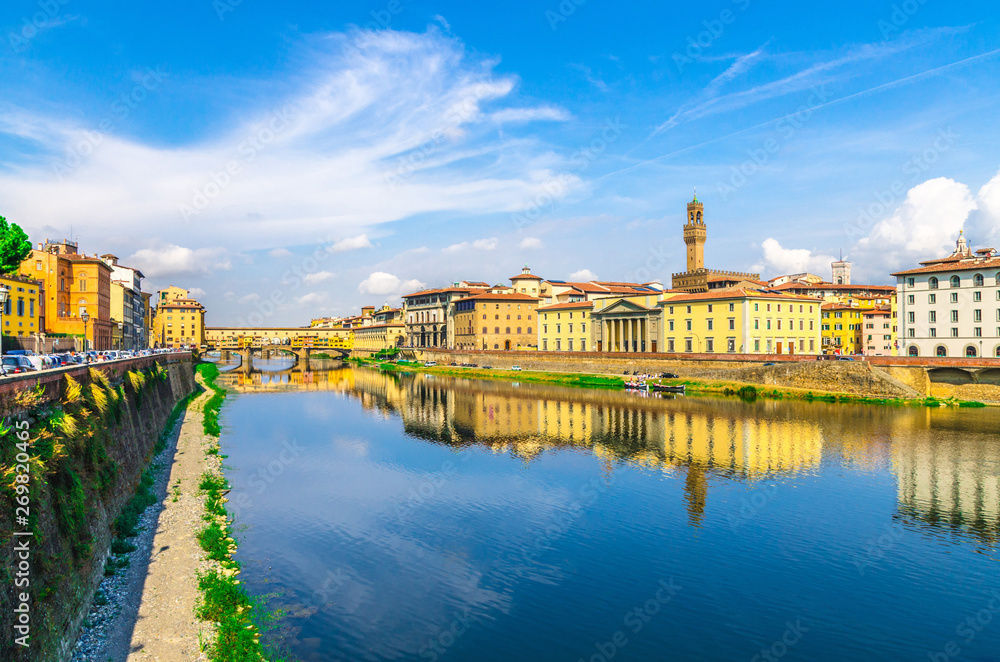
4,292
86,318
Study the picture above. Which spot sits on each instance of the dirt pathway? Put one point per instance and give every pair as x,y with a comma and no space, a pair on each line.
166,627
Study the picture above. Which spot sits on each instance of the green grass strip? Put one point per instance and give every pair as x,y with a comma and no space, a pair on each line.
209,372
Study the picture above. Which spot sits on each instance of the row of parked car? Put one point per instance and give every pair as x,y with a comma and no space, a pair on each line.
18,361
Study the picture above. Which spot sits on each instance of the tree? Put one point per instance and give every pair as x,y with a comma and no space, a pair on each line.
14,246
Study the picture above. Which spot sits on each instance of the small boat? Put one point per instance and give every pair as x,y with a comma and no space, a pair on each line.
636,386
668,388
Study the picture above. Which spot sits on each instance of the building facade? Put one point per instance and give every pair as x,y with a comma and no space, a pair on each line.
127,315
566,327
180,320
842,329
496,321
950,307
627,324
428,315
879,333
230,337
75,285
740,321
22,312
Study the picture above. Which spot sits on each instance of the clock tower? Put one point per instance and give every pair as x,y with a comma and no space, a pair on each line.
695,234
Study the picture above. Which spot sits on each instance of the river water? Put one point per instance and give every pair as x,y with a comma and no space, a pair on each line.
416,517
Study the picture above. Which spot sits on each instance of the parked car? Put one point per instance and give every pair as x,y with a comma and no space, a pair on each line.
669,375
429,364
845,358
16,364
769,363
516,368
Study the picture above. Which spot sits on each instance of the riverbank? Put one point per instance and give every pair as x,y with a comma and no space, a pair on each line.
884,389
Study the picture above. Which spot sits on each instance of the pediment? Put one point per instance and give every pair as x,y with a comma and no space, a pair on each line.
624,307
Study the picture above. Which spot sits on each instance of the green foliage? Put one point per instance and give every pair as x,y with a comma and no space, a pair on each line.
127,521
209,372
14,246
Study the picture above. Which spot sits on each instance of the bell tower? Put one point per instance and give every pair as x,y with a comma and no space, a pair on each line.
695,234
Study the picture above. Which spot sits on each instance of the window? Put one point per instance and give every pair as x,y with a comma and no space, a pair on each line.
688,345
709,307
545,344
688,324
558,328
954,333
956,281
83,285
583,328
977,332
932,317
32,307
689,310
910,299
496,329
932,283
931,298
670,345
954,297
38,265
756,345
977,316
545,328
710,345
756,324
977,280
954,316
529,330
508,330
710,325
569,344
732,324
558,344
977,296
910,282
933,332
670,324
732,307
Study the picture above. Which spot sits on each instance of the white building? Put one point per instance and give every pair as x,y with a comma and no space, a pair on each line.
951,306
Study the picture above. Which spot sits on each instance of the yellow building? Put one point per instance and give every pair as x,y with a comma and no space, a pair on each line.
566,327
740,321
627,323
496,321
229,337
842,329
180,320
22,312
74,285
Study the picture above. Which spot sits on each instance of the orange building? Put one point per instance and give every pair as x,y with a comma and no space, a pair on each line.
180,320
74,284
496,321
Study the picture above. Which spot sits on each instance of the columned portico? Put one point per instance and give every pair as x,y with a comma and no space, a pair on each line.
626,327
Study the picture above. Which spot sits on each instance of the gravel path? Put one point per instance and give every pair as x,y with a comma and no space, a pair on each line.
149,613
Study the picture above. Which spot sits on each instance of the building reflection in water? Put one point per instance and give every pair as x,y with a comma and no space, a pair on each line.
947,478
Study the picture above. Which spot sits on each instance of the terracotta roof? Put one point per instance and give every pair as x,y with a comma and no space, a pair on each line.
937,266
842,306
737,293
500,297
583,287
572,305
525,276
477,283
832,286
439,290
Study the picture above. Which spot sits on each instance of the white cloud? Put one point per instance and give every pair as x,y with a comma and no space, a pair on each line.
351,244
479,244
249,298
549,113
582,276
924,226
280,252
778,260
531,243
197,292
172,261
364,101
318,277
382,283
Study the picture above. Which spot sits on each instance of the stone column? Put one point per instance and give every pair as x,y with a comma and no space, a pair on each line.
628,335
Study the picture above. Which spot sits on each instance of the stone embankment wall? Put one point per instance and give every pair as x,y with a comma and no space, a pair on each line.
79,492
856,377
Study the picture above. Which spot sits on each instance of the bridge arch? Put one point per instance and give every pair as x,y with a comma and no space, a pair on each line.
990,376
955,376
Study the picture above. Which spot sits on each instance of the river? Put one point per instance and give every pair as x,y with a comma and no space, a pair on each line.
418,517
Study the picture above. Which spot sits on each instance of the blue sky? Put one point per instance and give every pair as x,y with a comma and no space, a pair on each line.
292,161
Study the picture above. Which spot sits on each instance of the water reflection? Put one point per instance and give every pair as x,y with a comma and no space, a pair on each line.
946,461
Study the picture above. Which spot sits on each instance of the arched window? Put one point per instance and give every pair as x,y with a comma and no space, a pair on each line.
977,280
519,329
508,330
941,351
998,351
496,330
496,346
956,281
933,283
913,350
998,278
970,352
484,330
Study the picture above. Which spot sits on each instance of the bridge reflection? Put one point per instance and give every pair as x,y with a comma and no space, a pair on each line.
947,478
